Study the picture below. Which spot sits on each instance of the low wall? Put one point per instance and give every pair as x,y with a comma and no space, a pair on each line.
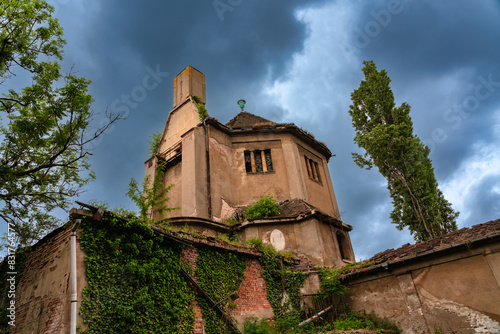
43,294
455,290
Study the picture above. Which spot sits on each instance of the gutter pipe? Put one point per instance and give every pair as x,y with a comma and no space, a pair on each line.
74,293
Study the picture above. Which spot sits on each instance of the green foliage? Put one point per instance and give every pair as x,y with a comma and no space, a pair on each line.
152,198
385,132
44,145
259,245
154,143
365,320
134,280
283,290
256,326
202,111
265,206
219,274
330,282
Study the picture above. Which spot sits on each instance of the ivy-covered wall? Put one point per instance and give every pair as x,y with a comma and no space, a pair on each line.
132,281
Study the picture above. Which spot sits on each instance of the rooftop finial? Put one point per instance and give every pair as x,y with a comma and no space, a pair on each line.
241,103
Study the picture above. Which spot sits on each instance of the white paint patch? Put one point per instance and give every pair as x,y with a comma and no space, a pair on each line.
478,321
277,240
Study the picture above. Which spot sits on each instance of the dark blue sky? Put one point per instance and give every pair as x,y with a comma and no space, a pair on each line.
299,61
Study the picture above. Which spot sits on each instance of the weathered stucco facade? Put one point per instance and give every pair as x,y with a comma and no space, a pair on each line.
217,169
451,284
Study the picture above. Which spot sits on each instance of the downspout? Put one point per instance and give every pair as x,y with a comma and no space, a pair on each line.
209,195
74,294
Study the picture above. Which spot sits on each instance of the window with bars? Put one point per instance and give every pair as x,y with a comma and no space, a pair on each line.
312,169
258,161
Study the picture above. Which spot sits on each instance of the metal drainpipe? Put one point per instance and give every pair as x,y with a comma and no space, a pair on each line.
209,195
74,293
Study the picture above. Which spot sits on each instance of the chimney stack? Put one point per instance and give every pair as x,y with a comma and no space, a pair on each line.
188,83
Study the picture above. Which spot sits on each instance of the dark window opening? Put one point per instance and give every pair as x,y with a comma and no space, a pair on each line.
269,162
342,245
258,161
248,162
312,169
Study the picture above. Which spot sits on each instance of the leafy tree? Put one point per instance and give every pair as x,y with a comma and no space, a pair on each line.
45,144
386,133
151,198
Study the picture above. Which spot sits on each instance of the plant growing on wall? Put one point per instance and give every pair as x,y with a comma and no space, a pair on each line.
219,274
202,111
154,143
151,198
134,280
265,206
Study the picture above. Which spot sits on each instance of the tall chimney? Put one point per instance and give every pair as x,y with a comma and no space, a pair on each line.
188,83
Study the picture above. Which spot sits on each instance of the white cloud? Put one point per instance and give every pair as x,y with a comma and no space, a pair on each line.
472,172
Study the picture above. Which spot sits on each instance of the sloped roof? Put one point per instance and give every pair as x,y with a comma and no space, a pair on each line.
247,120
464,236
295,208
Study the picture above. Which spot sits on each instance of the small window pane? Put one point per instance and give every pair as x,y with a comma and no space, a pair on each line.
258,161
269,162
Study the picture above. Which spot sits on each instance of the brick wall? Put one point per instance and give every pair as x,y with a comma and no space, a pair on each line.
42,292
253,295
252,299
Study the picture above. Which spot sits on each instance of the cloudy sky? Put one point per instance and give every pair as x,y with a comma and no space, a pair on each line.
298,61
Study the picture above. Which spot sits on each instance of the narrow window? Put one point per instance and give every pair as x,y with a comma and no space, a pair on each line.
342,245
248,162
269,162
312,169
258,160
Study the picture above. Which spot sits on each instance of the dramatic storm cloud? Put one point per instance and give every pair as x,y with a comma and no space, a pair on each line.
299,61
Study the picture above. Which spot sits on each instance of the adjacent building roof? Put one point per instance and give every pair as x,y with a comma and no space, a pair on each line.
463,238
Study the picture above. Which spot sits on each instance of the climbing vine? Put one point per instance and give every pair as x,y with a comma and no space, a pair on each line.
202,111
134,282
219,274
283,289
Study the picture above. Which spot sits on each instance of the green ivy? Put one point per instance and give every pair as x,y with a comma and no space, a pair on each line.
219,274
278,275
202,111
134,282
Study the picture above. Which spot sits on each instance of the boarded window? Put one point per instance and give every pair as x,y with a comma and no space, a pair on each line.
258,161
312,169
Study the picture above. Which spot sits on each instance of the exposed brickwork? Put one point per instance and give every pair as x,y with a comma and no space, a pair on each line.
253,293
190,255
41,293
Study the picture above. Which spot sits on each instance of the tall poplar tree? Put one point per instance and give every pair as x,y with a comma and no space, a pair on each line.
44,137
385,132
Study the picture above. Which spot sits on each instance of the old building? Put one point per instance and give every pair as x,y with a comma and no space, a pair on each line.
218,169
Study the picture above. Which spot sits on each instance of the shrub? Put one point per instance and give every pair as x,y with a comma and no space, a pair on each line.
265,206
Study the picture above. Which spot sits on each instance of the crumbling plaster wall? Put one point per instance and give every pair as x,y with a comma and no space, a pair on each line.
310,238
43,294
457,293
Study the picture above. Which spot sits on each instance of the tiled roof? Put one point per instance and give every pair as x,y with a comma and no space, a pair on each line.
455,238
295,208
247,120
